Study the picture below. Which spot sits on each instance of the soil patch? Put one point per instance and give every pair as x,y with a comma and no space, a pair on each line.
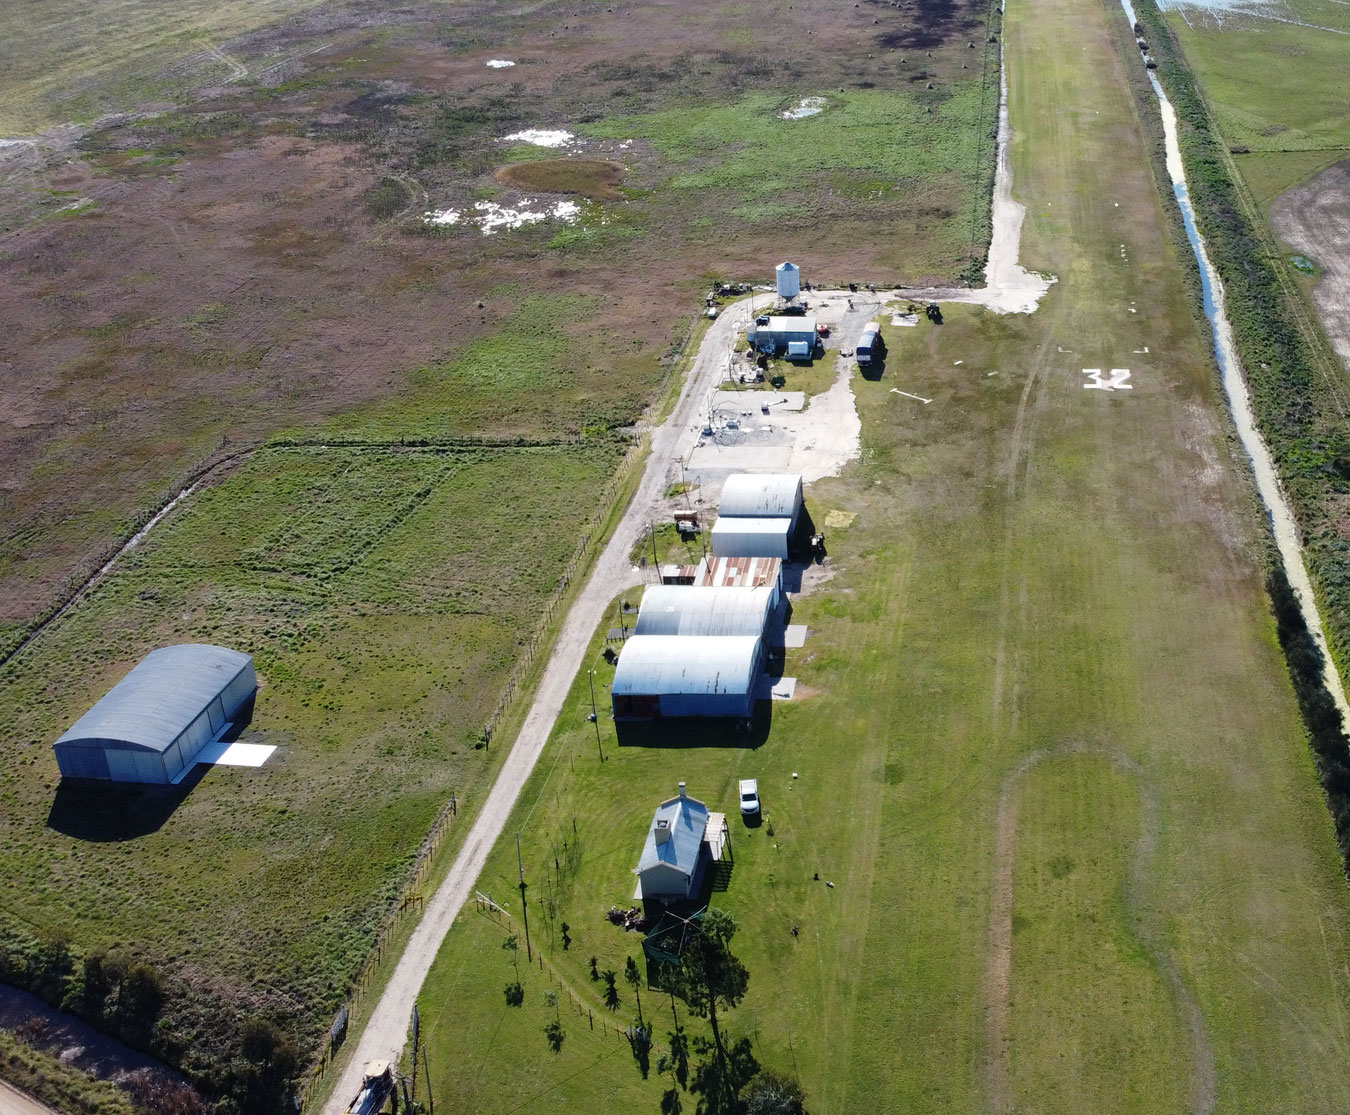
597,179
1315,219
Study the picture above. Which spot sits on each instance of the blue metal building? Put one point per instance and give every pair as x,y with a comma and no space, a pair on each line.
152,724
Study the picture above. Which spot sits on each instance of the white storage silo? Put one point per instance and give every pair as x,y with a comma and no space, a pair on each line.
789,280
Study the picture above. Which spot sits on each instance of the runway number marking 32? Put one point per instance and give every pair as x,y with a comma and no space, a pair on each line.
1117,380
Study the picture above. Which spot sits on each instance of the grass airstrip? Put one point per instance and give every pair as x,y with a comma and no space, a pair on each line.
1046,747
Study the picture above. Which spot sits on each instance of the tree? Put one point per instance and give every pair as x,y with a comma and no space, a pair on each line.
676,1062
555,1034
634,978
512,945
611,991
709,975
770,1093
720,1074
141,994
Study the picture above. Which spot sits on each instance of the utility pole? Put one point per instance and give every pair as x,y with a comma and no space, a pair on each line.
426,1070
656,564
524,912
595,717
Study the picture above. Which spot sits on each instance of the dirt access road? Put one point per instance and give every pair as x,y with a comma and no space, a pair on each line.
1011,289
15,1102
385,1034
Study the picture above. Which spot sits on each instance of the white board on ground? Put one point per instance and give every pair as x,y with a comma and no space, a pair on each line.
222,754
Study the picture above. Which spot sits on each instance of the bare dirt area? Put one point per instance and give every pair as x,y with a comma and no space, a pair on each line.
1314,219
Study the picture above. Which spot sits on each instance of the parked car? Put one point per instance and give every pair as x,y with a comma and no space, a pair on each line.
749,797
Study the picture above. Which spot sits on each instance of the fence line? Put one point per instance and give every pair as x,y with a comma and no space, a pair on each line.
590,536
587,1010
409,897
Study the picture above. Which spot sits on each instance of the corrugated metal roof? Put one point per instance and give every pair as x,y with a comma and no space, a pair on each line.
738,572
687,818
761,495
689,610
650,665
163,694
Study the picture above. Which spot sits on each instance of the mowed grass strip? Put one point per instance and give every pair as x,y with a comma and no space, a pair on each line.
1082,827
383,627
1033,568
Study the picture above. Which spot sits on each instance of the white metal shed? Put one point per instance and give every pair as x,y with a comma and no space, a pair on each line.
761,495
687,675
732,537
690,610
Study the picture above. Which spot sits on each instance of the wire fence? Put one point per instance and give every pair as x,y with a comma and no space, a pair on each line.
410,898
591,536
598,1017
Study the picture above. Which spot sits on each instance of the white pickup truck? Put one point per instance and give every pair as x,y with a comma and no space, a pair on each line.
749,797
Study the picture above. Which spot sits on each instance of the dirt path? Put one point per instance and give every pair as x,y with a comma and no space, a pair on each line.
1010,288
15,1102
385,1034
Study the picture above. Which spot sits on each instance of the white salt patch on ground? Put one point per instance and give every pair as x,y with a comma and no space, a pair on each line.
541,137
807,106
491,217
499,63
494,217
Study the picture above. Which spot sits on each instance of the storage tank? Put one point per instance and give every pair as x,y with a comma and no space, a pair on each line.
789,280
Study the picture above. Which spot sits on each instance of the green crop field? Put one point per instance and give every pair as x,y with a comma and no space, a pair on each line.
1275,80
1046,745
385,594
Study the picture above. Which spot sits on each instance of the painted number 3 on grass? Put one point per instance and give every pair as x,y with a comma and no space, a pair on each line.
1116,382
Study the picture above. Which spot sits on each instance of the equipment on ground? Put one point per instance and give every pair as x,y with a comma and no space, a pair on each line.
377,1089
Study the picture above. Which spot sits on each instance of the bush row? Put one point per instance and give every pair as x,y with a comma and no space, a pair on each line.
247,1062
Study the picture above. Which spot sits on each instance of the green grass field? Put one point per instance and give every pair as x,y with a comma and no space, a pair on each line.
386,596
62,62
1047,751
1275,81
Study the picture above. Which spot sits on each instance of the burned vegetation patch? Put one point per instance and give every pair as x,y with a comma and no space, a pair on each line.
597,179
928,24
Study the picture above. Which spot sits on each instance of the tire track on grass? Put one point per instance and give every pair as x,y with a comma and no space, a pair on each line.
1202,1087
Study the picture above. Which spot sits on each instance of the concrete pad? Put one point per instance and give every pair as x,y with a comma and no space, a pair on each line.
224,754
749,403
795,635
776,689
